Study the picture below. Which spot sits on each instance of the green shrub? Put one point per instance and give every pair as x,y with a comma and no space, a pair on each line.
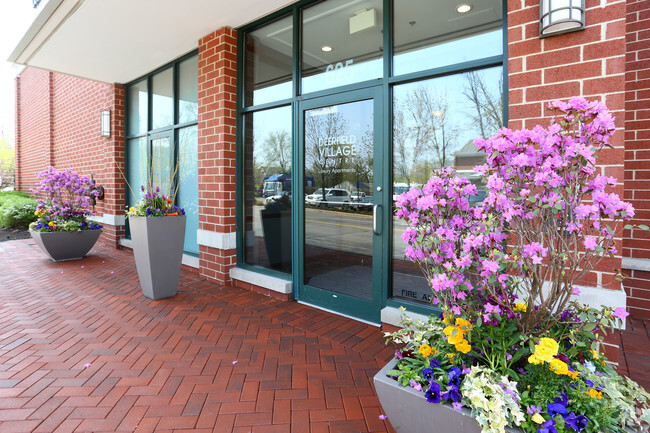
16,209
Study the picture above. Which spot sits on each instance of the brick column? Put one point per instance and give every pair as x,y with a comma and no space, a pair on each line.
588,63
217,143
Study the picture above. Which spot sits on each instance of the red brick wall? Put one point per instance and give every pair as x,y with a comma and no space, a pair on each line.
217,144
60,126
636,243
588,63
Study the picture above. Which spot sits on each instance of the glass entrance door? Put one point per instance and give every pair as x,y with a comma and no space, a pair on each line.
342,203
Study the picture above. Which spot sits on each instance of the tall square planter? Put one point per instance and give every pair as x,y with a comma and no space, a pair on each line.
158,252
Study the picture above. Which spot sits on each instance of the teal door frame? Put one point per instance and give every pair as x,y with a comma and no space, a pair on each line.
355,307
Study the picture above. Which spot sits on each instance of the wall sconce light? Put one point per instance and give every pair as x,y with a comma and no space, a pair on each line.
561,16
106,123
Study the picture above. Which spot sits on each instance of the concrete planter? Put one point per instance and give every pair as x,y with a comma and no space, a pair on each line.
410,412
62,246
158,251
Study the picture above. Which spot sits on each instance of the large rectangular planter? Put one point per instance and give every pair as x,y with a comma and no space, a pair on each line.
62,246
410,412
158,252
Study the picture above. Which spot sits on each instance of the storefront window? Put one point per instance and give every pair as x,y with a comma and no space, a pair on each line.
138,108
162,109
341,43
268,189
166,152
430,35
188,90
435,123
269,54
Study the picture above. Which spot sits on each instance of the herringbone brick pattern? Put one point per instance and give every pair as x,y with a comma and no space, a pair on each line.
81,350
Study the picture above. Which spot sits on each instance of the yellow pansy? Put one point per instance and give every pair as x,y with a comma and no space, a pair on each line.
521,306
425,350
131,209
595,394
463,346
559,367
445,318
532,359
51,224
463,325
456,338
538,419
546,349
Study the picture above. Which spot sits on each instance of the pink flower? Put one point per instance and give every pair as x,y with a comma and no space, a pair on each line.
620,312
590,243
383,417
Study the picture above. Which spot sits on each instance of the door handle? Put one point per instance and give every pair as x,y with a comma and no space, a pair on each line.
374,219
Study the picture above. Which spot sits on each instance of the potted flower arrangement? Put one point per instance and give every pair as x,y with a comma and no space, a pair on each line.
158,232
62,229
276,224
513,350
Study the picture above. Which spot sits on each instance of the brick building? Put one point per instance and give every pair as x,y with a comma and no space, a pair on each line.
263,99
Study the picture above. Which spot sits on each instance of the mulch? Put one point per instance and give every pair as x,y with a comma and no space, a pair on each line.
13,233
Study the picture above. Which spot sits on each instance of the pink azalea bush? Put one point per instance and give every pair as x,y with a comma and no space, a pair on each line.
63,201
512,343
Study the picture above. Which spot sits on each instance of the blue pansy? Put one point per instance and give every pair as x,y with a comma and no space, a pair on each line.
555,408
427,373
576,422
451,394
454,376
548,427
563,399
434,363
433,393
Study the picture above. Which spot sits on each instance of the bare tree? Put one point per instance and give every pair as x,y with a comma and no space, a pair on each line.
487,103
277,148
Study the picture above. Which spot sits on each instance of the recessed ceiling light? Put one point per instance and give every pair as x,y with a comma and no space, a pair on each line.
326,48
464,8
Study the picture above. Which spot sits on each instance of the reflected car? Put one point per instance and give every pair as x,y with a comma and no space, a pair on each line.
333,197
358,196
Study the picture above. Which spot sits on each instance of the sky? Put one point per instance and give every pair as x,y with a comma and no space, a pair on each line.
17,15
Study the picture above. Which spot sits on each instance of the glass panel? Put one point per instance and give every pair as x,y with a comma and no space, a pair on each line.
427,36
342,43
269,62
188,184
162,164
162,109
434,125
267,189
138,108
188,90
339,145
136,168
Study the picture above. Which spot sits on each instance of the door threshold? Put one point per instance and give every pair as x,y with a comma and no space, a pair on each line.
378,325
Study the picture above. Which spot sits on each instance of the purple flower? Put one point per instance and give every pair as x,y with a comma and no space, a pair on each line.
432,393
427,373
563,399
398,355
416,386
434,363
576,422
548,427
532,410
555,408
383,417
454,374
452,394
457,406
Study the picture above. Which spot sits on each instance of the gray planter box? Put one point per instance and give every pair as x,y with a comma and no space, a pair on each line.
410,412
62,246
158,252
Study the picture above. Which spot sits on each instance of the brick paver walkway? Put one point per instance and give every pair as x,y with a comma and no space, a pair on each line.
81,350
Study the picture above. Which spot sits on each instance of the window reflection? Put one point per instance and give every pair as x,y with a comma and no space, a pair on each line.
267,189
138,107
435,123
162,109
342,43
269,54
188,183
188,90
428,36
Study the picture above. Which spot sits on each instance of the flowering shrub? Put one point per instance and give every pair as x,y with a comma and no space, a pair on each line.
63,202
512,342
154,204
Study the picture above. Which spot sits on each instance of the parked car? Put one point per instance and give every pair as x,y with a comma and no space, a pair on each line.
358,196
365,204
333,197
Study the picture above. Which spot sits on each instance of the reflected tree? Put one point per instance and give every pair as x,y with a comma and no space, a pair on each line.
488,104
277,150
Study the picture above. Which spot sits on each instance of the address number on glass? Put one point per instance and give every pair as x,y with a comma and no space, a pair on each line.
339,72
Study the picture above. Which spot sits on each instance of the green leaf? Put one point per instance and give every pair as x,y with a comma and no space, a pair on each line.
589,326
643,227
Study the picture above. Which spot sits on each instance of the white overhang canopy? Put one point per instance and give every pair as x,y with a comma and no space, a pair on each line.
117,41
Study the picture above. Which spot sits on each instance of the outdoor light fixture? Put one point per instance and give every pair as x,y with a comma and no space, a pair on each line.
561,16
463,8
326,48
106,123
